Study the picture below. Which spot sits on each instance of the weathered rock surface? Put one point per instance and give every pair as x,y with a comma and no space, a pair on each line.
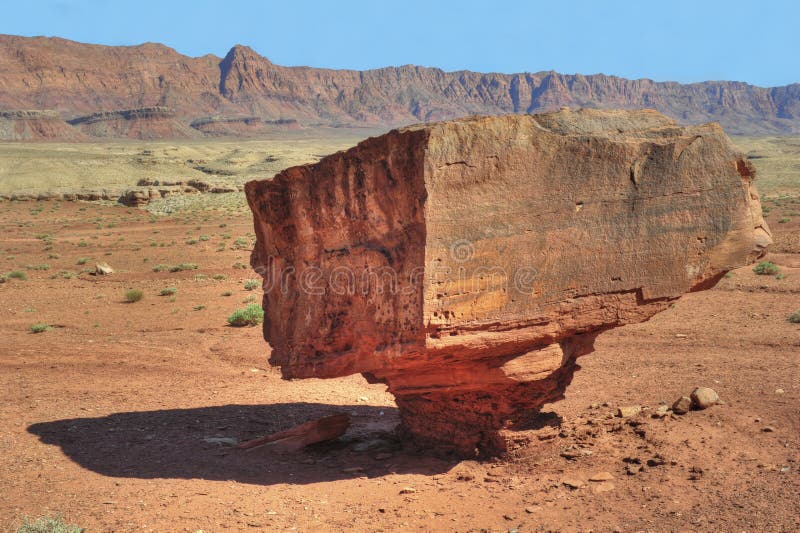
467,264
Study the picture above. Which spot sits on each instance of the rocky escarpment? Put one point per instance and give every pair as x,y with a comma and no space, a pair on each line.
242,126
144,123
468,264
77,79
35,125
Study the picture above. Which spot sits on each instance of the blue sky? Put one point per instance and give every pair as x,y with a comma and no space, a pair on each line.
673,40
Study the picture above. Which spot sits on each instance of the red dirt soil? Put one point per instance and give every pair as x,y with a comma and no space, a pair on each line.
104,418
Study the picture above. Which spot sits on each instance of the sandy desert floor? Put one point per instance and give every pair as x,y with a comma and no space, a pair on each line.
112,417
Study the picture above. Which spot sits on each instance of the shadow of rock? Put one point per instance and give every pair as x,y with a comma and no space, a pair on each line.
185,444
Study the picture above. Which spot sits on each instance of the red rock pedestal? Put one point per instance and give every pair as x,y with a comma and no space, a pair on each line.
467,264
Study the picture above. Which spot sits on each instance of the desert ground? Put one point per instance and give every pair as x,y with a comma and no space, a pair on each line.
120,416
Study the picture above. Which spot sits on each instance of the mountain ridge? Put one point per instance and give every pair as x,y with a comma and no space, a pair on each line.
78,79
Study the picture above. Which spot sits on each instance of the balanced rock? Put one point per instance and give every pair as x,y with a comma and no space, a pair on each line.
467,264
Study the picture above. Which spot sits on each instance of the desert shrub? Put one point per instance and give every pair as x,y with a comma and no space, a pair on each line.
133,295
191,241
160,268
43,266
765,268
251,284
794,318
204,238
82,243
183,266
16,274
39,328
3,278
784,220
82,261
53,256
241,266
48,524
251,315
240,243
199,307
219,277
168,291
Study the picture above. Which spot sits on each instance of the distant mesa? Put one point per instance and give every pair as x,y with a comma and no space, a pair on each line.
242,126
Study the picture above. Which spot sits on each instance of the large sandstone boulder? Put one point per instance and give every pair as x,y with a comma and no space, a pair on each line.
467,264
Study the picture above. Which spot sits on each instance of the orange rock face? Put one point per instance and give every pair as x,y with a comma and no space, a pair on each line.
467,264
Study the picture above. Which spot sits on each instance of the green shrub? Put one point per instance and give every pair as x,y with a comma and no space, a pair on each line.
251,284
191,241
784,220
82,261
219,277
183,266
765,268
133,295
16,274
205,238
169,291
252,315
794,318
241,266
199,307
48,524
240,243
43,266
39,328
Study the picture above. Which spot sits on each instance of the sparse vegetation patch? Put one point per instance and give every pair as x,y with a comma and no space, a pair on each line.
252,315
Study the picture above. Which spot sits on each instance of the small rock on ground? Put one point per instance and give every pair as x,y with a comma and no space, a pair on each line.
682,405
572,483
703,397
628,411
103,269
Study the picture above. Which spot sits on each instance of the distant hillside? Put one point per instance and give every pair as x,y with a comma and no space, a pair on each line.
77,80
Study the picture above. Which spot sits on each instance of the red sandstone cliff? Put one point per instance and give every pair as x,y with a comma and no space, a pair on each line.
78,79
